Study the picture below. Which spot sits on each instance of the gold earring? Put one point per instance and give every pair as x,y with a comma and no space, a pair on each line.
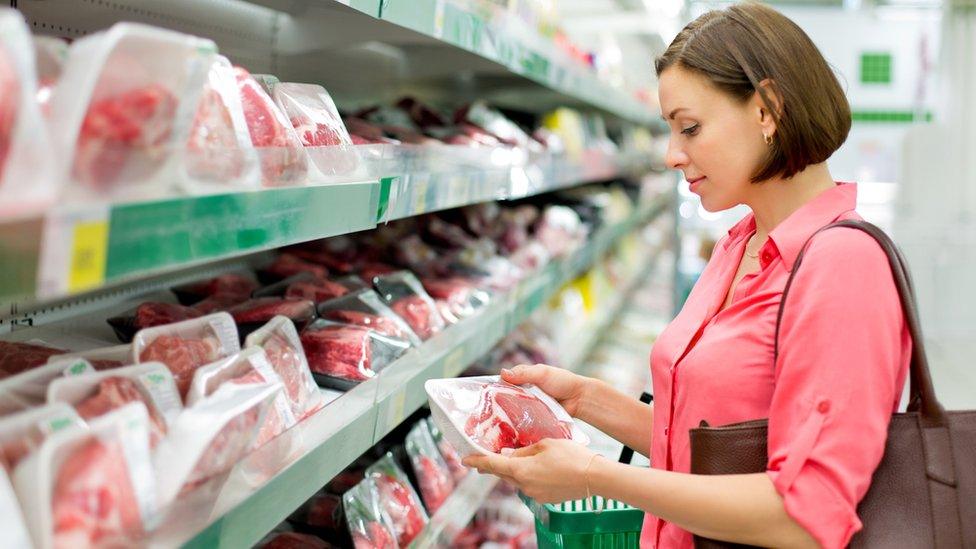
768,139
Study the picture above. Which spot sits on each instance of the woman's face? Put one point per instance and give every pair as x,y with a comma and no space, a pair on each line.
716,140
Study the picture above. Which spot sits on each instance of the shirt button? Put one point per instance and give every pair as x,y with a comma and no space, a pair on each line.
823,407
767,257
666,431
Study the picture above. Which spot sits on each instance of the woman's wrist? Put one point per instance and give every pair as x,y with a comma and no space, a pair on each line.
588,396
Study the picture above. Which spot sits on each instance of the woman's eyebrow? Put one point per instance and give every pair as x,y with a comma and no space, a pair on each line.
675,111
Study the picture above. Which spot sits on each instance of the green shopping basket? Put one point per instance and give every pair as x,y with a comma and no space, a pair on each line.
581,523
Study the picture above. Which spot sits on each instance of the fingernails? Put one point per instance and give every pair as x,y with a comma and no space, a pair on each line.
506,371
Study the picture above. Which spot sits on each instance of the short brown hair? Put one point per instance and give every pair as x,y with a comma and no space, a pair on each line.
741,46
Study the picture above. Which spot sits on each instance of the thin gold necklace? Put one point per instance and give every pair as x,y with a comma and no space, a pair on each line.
756,255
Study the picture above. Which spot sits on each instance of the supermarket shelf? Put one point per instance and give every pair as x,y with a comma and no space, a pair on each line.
247,506
76,250
456,512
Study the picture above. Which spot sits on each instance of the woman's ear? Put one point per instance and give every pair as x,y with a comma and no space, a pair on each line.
769,106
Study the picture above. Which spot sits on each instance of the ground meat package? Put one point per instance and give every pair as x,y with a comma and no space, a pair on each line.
28,182
307,286
280,342
316,120
233,285
283,159
210,437
218,154
366,308
91,487
29,389
433,475
123,109
482,415
101,358
407,298
95,394
185,346
23,433
369,524
341,356
450,454
149,314
254,313
398,499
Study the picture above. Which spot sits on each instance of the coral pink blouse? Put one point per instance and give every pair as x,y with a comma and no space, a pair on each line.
844,355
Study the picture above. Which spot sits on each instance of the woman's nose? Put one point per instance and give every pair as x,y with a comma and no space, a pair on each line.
675,158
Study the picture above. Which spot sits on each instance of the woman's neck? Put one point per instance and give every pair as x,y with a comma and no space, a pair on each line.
776,199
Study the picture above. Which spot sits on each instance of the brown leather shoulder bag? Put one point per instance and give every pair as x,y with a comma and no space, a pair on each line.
923,494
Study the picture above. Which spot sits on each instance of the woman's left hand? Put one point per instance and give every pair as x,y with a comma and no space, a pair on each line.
551,471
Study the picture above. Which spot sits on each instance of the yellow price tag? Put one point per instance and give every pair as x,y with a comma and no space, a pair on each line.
584,285
89,255
397,404
420,194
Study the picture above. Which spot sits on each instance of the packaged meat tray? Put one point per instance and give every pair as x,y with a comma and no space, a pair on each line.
456,298
398,499
369,524
433,476
282,157
17,357
406,297
341,356
23,433
485,415
218,154
284,350
234,285
210,437
449,453
98,393
28,182
51,54
306,286
366,308
108,463
147,315
122,110
316,120
483,117
254,313
185,346
29,388
287,265
101,358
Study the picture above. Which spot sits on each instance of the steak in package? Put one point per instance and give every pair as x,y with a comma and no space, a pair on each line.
316,120
23,433
449,453
343,355
16,357
456,298
121,108
287,265
28,182
284,351
232,285
283,160
398,499
408,299
366,308
485,415
254,313
305,286
91,487
369,524
29,389
433,475
149,314
185,346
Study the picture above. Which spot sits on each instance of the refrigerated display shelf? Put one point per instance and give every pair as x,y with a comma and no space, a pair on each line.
73,250
244,510
456,512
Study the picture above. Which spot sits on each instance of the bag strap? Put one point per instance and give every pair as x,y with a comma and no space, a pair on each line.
922,396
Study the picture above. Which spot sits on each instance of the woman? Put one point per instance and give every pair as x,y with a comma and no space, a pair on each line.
754,112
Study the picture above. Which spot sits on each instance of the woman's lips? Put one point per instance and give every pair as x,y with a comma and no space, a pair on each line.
692,183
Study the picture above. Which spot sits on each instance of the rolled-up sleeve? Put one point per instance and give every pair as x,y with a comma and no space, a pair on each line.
843,358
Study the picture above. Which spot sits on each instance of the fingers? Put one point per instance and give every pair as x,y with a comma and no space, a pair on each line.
493,464
528,450
524,373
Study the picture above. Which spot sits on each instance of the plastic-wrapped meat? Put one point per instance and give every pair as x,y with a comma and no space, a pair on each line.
20,357
318,290
379,324
125,135
455,295
313,114
340,262
213,147
436,483
421,115
442,232
273,424
418,314
219,302
294,540
340,351
226,448
15,450
263,309
322,511
376,537
9,99
181,356
287,363
224,285
560,230
407,517
286,265
156,314
453,460
93,501
510,417
116,392
368,271
367,133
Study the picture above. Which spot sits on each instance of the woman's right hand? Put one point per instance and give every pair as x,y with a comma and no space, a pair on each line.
567,388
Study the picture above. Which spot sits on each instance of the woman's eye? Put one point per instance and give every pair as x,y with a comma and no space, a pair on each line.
690,130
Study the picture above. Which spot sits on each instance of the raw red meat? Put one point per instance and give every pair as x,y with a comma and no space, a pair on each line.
224,285
367,133
407,517
511,417
20,357
273,424
9,98
294,540
286,265
419,315
93,502
181,356
379,324
341,263
368,271
219,302
15,450
226,449
339,351
265,125
115,392
125,130
436,483
156,314
453,460
376,537
316,135
318,290
288,364
214,152
323,511
263,309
